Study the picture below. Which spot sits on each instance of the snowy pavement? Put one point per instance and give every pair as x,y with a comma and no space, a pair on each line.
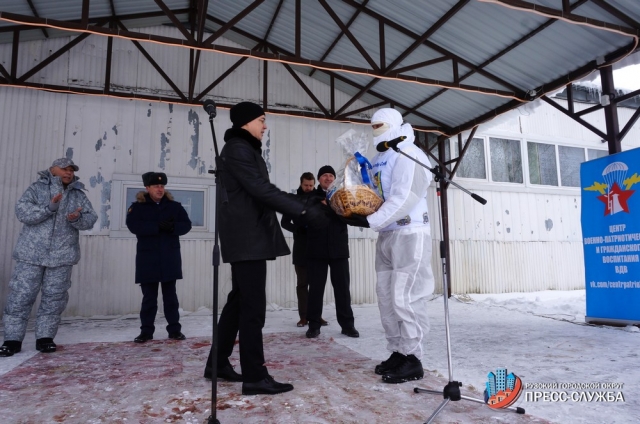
541,337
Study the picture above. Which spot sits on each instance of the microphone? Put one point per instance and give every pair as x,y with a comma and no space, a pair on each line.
210,107
383,146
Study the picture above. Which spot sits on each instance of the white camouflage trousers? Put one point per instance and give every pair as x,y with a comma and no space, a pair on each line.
27,281
405,279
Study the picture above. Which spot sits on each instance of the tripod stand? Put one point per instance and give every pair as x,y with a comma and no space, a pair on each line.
451,391
210,108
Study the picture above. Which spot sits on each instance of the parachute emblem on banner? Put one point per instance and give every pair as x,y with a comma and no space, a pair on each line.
616,189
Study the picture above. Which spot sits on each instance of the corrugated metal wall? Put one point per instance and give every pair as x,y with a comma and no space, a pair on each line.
526,238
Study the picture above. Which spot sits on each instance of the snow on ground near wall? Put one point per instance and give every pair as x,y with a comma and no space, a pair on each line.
541,337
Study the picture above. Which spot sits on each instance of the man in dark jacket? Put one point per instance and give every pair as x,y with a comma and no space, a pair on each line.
249,236
329,248
158,221
299,256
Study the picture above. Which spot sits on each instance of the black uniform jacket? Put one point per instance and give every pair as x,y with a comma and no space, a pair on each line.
249,228
299,255
157,253
331,242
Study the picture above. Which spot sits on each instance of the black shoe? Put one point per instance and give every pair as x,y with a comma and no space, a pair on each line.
177,336
267,386
351,332
225,373
10,347
409,369
394,360
143,338
312,333
46,345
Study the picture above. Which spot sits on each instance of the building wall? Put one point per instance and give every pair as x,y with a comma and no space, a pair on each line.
526,238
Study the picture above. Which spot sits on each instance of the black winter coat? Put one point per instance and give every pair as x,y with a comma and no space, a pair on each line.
331,242
249,227
157,253
299,255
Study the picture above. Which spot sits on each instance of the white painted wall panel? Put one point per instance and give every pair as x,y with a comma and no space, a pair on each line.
526,238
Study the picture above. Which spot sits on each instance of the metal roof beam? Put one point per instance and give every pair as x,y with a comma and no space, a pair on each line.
462,151
175,20
409,33
132,35
568,17
155,65
630,123
417,43
35,13
424,37
617,13
113,8
306,89
6,74
423,64
29,23
198,14
335,41
220,79
350,36
52,57
232,22
273,20
84,20
575,118
107,66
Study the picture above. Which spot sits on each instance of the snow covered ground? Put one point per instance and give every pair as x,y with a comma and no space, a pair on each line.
541,337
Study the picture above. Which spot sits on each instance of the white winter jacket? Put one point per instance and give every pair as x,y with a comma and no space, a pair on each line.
47,238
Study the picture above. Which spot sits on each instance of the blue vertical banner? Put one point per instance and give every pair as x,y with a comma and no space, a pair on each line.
611,237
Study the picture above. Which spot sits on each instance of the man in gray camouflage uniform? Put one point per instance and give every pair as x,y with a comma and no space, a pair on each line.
53,210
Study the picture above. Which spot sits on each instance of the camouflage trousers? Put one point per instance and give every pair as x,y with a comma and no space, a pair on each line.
27,281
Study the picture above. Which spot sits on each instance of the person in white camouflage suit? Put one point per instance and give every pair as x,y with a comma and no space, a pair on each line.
53,210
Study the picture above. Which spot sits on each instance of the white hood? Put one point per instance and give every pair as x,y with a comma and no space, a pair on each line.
396,128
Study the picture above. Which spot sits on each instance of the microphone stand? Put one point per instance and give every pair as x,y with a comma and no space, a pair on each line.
451,391
209,106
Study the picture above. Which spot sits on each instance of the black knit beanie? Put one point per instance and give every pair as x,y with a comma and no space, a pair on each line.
327,169
245,112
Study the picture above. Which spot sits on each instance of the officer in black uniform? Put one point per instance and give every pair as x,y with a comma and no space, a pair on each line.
158,221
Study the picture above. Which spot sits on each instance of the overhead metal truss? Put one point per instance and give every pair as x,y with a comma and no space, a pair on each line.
200,29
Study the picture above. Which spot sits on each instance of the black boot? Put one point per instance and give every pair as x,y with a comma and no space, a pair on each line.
394,360
225,373
9,347
267,386
142,337
177,336
312,333
351,332
409,369
46,345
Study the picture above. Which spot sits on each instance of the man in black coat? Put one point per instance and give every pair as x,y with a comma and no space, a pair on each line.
158,221
299,255
329,249
249,236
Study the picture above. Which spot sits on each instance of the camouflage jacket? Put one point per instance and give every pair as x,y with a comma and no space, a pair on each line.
47,238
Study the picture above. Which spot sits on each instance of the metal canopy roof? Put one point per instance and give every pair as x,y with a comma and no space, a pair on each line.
447,65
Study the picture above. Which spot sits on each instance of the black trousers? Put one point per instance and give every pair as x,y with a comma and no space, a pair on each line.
317,276
149,306
244,315
302,290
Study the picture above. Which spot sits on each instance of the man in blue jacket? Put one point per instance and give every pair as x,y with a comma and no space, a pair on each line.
54,210
158,221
